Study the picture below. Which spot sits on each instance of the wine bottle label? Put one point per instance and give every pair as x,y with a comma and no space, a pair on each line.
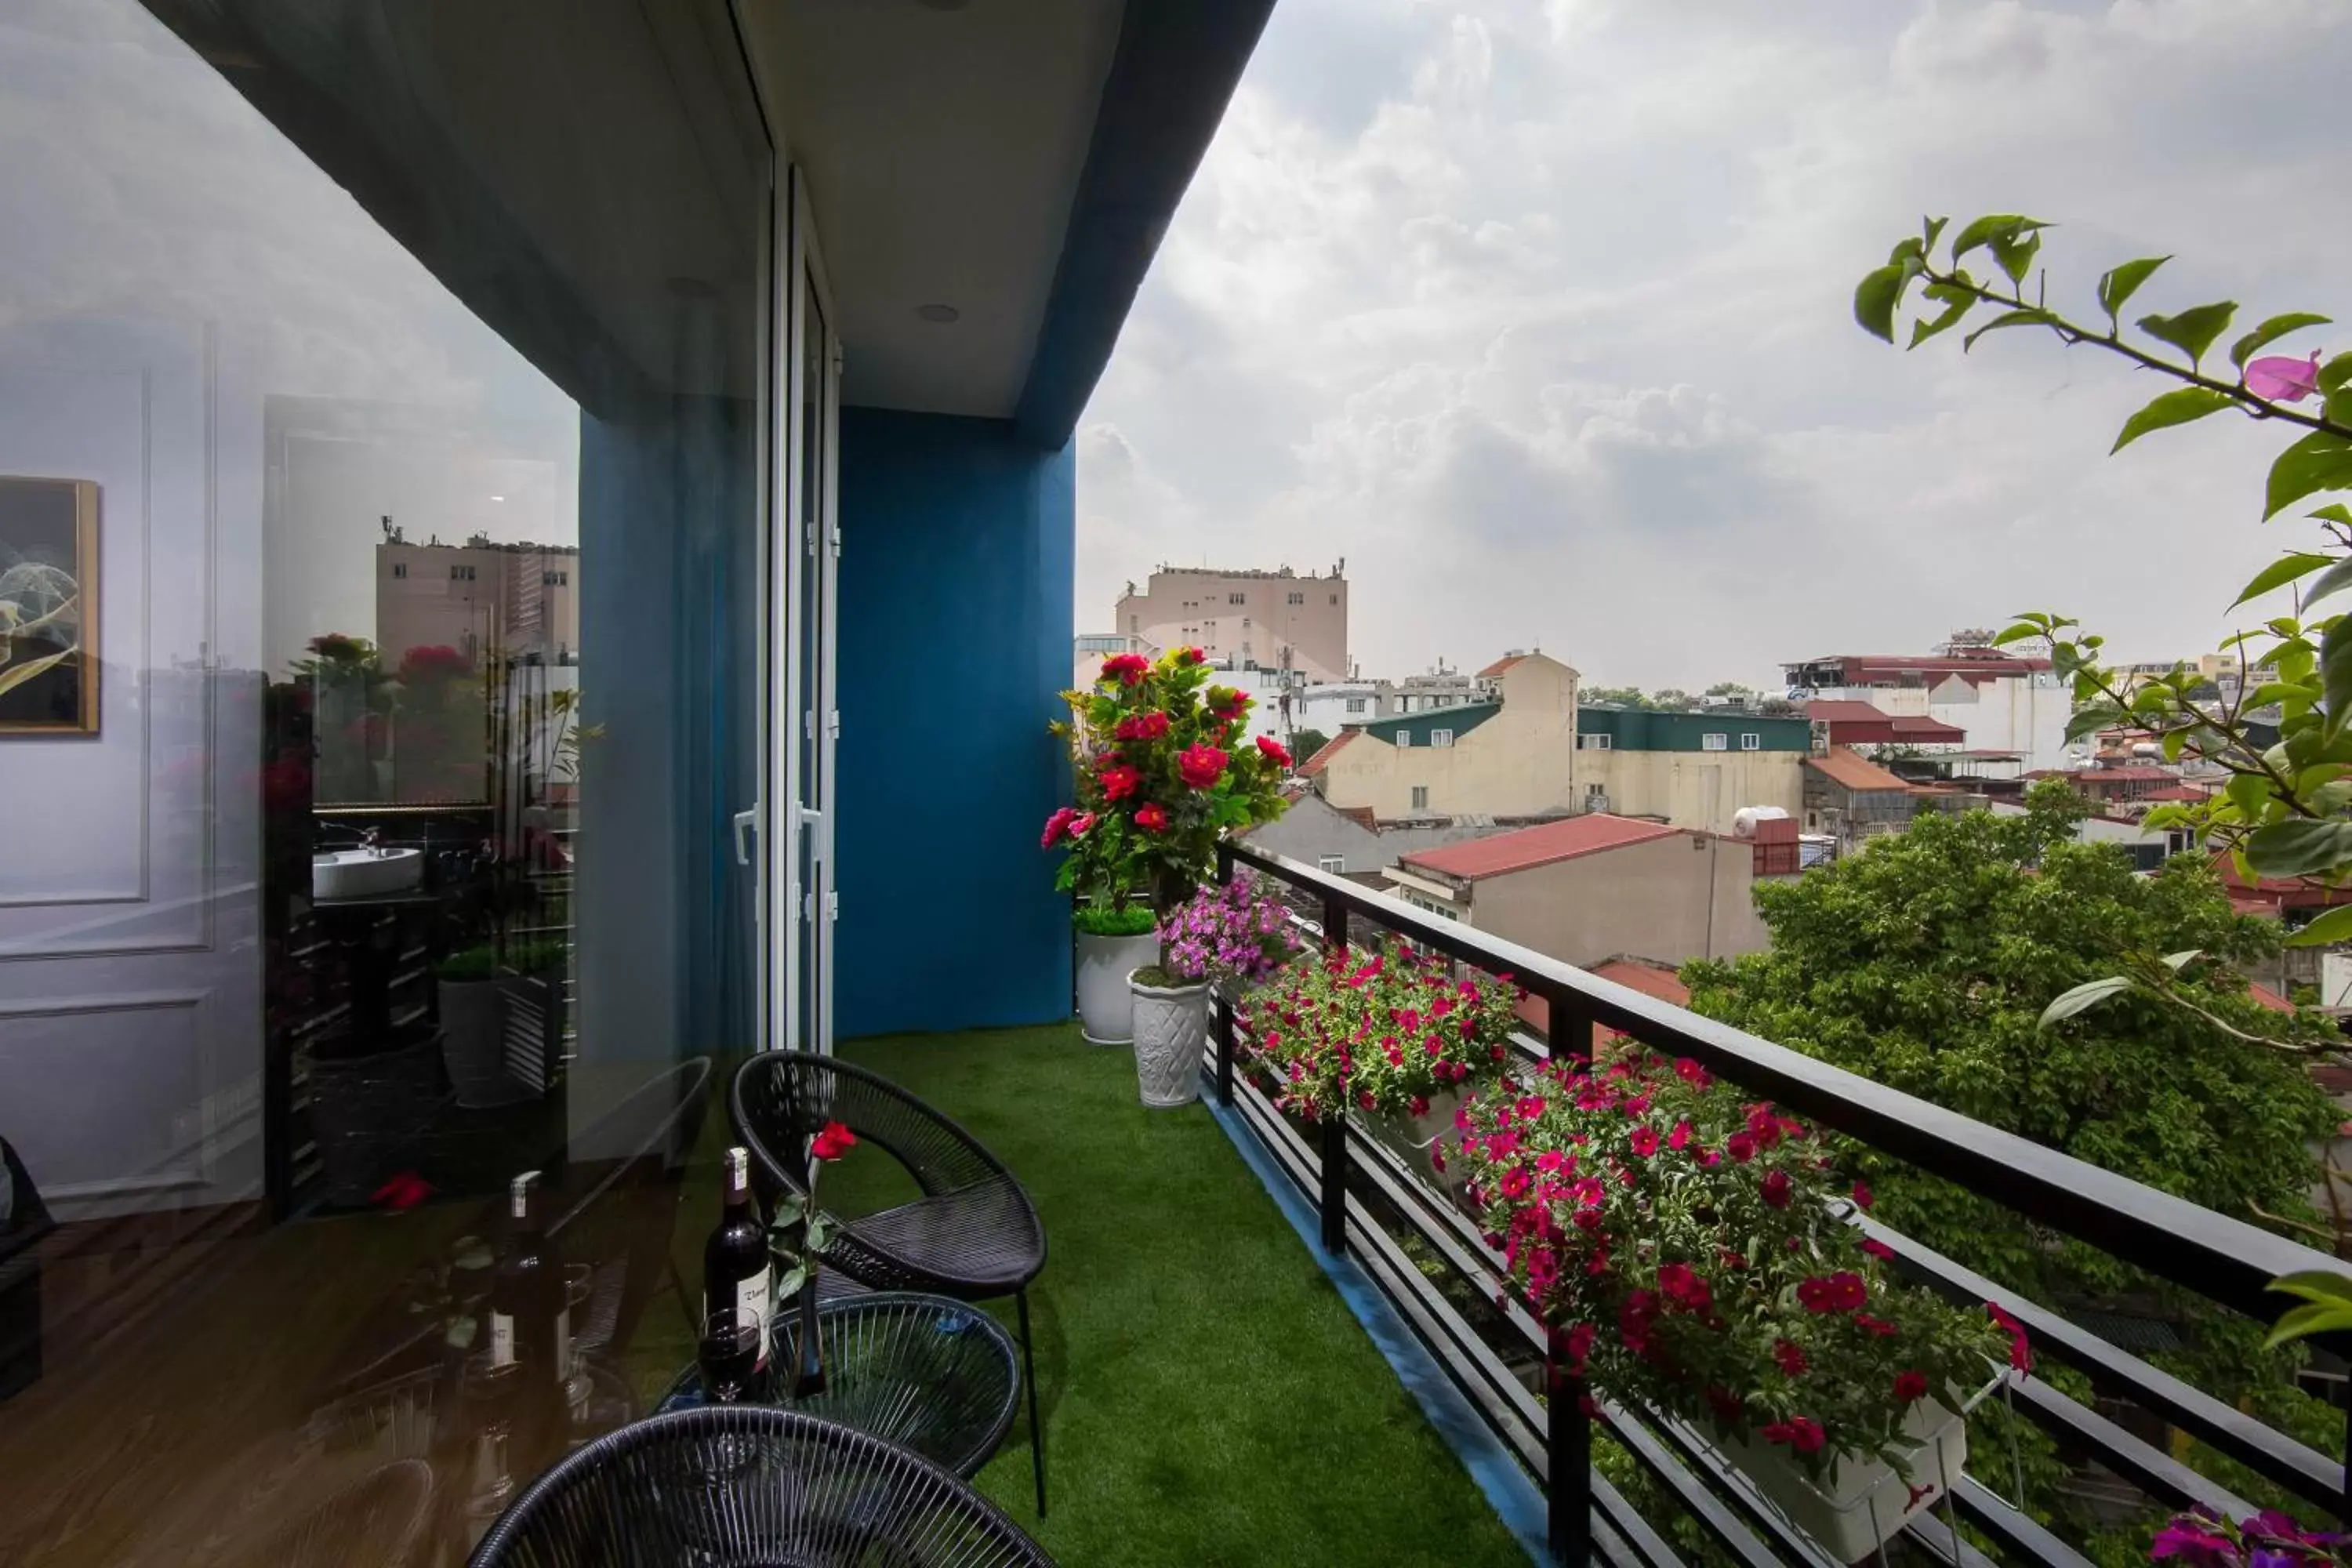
502,1339
753,1305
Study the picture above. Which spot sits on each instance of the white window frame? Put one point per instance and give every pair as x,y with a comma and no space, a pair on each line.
1404,739
1335,864
1441,737
1595,742
1715,741
1421,798
1355,705
1749,741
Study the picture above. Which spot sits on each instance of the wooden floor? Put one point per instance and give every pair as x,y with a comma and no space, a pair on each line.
198,1437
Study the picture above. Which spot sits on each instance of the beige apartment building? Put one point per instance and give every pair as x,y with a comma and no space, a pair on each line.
477,596
1591,887
1277,619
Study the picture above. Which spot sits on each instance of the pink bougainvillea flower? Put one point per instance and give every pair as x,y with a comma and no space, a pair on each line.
2283,380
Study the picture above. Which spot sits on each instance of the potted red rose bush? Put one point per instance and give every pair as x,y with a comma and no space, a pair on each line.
1693,1254
1163,774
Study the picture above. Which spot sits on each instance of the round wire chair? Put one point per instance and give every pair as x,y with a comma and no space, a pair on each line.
750,1485
974,1234
926,1373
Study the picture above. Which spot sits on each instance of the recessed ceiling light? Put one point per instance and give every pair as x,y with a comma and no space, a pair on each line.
942,314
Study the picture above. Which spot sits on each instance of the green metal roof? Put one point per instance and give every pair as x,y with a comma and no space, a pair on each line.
1461,721
1640,729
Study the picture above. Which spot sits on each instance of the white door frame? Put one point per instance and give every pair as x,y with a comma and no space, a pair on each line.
804,711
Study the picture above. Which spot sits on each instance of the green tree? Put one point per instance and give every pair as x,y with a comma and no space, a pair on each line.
1617,696
1305,744
1925,964
1672,700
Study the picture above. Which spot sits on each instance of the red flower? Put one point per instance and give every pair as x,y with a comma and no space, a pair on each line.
2019,1357
1225,702
1841,1292
1740,1147
1142,726
1728,1407
1910,1387
1800,1432
1679,1138
1201,765
1774,1189
1151,817
1514,1183
403,1191
1644,1141
1878,1326
1119,781
1791,1359
1879,1249
1682,1285
1272,751
1057,827
832,1142
1128,668
1191,655
1691,1073
1861,1195
1580,1345
1082,825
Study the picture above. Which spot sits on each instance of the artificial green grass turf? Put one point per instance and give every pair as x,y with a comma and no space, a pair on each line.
1208,1397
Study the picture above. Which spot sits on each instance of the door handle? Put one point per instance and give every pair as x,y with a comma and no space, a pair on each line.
747,823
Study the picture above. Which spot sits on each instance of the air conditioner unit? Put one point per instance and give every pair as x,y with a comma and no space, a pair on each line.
1600,802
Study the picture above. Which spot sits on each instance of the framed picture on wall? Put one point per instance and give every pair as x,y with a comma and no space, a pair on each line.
48,606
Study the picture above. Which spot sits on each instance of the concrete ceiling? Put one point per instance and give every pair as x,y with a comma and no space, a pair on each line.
943,145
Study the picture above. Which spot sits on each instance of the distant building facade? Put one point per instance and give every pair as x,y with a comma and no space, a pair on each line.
521,600
2000,701
1355,843
1278,619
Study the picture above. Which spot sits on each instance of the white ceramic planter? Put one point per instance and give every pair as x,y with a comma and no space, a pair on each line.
1172,1027
1415,1137
1865,1502
1105,1006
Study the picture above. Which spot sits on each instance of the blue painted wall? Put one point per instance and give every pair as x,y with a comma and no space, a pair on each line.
958,539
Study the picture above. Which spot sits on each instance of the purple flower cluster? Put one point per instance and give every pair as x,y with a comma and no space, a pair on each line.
1229,932
2270,1539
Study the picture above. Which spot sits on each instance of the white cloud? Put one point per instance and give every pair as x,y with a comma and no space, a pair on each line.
1540,316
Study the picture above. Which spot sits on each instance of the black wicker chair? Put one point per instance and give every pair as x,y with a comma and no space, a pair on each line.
750,1484
973,1233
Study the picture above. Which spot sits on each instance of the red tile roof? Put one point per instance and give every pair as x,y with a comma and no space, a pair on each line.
1330,748
1501,665
1646,975
1919,727
1846,710
2180,793
1540,846
2264,996
1851,770
2128,775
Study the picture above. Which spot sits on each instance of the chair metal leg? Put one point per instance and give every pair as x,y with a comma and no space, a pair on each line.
1036,1432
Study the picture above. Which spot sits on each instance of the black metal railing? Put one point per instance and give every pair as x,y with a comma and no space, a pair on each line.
1412,1241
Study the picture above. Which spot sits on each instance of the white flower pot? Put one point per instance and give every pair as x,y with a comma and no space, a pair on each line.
1415,1138
1105,1006
1862,1503
1172,1027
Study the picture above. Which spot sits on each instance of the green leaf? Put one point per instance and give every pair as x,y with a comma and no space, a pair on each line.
2171,408
1929,228
2335,925
1875,298
2090,719
819,1233
790,1285
472,1254
2017,633
2336,675
2015,252
459,1333
2120,283
2336,374
2090,994
2008,319
2324,1286
2334,580
2192,331
2271,330
1956,302
2299,847
2285,569
2318,462
2334,511
2007,228
2302,1322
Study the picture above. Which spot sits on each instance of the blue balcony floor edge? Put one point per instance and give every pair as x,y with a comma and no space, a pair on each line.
1513,1496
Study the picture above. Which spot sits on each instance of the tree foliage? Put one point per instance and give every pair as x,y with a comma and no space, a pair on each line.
1305,744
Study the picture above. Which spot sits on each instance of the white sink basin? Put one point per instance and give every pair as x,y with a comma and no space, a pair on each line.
364,873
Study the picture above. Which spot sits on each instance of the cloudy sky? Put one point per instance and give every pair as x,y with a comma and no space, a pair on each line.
1539,312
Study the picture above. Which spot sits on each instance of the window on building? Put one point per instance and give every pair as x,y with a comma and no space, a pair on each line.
1594,742
1335,864
1403,738
1334,599
1244,623
1355,705
1593,792
400,568
1297,598
1441,737
1421,798
1134,624
1237,598
1715,741
1749,741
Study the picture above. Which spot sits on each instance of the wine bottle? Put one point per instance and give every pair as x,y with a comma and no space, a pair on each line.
735,1260
531,1318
